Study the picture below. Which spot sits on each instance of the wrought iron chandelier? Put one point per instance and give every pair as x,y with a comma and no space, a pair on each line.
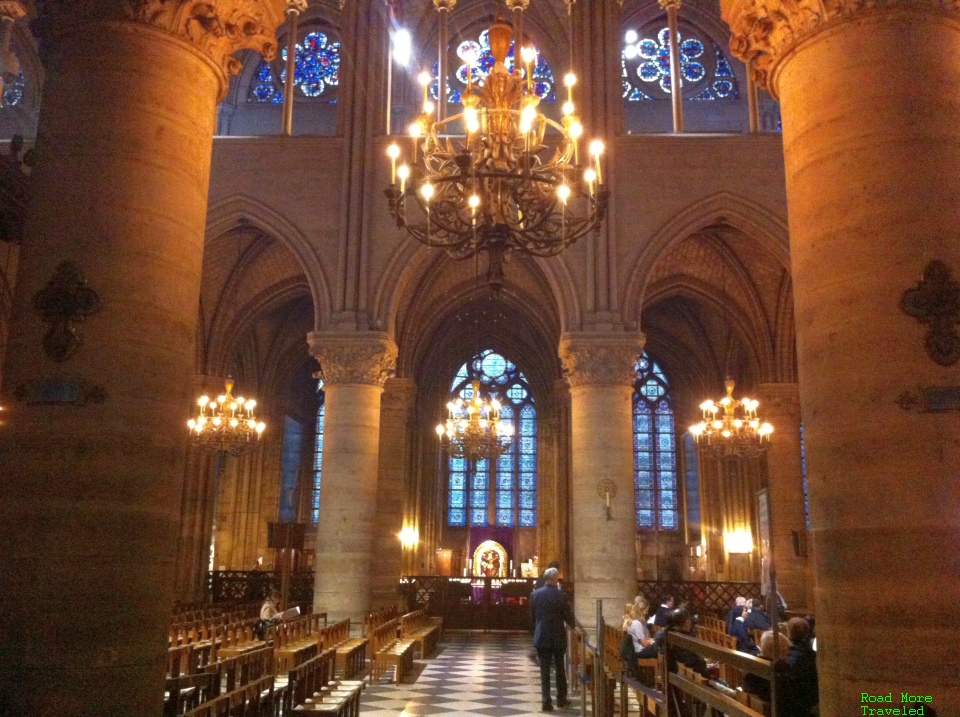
730,428
473,429
499,177
226,424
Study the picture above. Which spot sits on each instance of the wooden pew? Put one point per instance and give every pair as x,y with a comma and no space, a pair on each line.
390,651
311,688
422,629
252,700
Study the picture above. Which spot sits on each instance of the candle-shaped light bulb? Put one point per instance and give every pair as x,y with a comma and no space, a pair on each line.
563,191
427,191
429,107
403,171
590,177
393,151
596,149
424,79
570,80
568,109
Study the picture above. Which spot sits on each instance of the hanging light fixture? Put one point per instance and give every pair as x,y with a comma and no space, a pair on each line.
731,427
226,424
473,429
499,177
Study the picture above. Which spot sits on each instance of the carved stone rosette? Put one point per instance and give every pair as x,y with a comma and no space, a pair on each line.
764,31
218,29
590,359
368,359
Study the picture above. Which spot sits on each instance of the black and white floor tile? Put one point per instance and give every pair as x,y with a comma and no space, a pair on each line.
473,675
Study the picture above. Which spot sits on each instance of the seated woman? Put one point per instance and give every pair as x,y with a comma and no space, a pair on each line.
801,684
756,685
739,630
638,626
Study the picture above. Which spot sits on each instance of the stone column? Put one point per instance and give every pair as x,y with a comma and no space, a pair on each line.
354,368
872,147
600,369
396,412
91,453
780,404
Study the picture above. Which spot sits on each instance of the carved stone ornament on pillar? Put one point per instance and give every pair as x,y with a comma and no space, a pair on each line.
590,359
64,302
351,359
935,301
217,29
764,31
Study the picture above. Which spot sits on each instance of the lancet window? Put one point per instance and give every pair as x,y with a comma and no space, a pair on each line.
317,73
645,66
502,492
13,92
654,448
317,458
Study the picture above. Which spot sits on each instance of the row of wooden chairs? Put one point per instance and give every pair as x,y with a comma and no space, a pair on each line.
389,650
422,629
380,617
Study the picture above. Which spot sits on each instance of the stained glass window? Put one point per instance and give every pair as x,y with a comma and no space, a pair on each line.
13,92
543,81
645,68
803,470
654,449
504,492
317,458
317,71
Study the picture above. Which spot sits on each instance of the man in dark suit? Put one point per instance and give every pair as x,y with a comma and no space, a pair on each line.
550,611
660,617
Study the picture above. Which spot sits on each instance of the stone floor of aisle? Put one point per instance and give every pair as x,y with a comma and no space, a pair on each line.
473,675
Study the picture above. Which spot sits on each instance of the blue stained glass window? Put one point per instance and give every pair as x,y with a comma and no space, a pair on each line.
504,493
543,80
655,456
316,71
13,93
318,457
645,67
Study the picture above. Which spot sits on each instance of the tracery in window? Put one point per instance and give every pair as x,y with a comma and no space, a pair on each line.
317,458
645,66
479,51
316,74
13,93
504,493
654,448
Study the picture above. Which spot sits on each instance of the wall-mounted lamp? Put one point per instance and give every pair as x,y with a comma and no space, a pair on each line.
607,489
738,541
409,537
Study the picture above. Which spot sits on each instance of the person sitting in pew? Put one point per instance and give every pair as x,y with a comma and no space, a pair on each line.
739,602
800,683
270,610
757,618
756,685
745,643
660,616
678,620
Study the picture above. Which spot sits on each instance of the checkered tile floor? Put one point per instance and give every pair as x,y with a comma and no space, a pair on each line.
472,675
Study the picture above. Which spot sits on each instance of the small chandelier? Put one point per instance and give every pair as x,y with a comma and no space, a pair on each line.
226,424
486,180
736,432
473,429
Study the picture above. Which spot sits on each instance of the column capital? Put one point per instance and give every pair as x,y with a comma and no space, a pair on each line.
765,31
600,358
779,398
216,29
670,4
362,358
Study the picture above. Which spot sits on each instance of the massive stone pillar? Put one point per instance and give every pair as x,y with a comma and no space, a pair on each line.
92,449
354,368
872,145
394,511
600,369
780,404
